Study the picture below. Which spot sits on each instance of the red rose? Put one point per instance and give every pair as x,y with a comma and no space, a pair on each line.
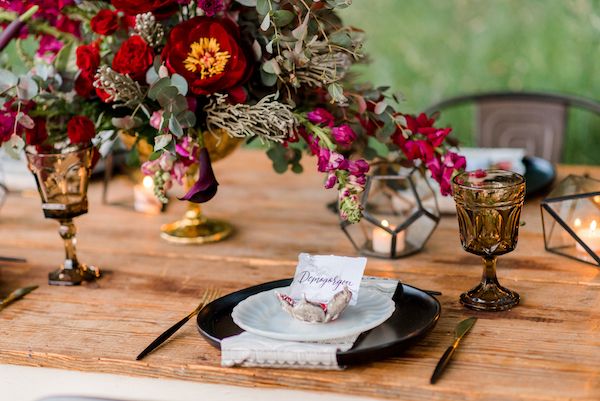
207,53
84,85
134,58
105,22
160,8
80,129
38,134
88,58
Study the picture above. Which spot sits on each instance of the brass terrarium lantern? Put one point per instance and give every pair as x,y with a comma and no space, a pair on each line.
571,219
400,212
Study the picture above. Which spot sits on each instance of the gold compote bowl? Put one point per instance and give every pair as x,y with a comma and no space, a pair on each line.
488,205
194,227
62,179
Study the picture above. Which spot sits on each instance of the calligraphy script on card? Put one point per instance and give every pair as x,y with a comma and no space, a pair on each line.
319,277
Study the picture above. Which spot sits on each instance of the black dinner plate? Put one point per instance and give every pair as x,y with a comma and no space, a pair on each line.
416,314
539,175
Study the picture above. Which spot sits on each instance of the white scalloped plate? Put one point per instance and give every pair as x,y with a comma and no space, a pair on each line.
262,314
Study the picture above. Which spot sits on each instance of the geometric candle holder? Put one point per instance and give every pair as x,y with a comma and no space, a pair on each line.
571,219
400,212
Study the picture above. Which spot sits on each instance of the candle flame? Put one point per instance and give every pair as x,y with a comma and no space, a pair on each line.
148,182
597,198
577,222
385,223
593,225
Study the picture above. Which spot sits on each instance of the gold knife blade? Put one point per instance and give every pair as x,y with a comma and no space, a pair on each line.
459,332
16,295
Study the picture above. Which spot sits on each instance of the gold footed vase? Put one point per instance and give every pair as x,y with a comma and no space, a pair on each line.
195,227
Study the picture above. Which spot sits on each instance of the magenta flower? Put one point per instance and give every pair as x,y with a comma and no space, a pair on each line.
437,137
330,181
358,167
320,116
343,135
7,124
211,7
187,150
330,160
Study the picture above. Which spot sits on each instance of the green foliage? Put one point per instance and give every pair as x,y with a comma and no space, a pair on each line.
432,50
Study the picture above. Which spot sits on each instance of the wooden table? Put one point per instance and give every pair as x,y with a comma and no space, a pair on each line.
548,348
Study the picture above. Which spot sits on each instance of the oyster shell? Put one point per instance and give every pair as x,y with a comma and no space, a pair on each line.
315,312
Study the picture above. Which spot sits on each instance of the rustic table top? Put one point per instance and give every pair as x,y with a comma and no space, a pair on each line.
548,348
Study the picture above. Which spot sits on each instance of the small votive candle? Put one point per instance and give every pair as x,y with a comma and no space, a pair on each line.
144,200
590,236
382,239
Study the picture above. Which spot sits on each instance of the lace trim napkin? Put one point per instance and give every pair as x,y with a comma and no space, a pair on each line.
251,350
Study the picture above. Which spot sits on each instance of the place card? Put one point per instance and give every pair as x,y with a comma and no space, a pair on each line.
320,277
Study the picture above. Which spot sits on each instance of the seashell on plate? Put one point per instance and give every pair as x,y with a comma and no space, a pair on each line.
315,312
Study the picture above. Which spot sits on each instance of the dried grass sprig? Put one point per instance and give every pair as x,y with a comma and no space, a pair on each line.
269,120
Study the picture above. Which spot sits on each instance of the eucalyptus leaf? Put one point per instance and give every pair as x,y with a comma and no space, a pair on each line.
341,38
7,80
266,22
380,149
262,6
282,17
154,155
160,141
64,56
268,79
180,83
247,3
175,127
151,76
158,86
27,88
336,91
380,107
14,146
186,119
297,168
25,121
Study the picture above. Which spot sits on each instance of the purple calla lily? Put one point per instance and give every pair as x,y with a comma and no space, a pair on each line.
12,30
206,187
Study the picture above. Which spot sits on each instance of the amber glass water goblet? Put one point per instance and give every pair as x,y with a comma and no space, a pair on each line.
488,205
62,178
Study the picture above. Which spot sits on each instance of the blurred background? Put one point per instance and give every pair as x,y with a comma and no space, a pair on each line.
430,50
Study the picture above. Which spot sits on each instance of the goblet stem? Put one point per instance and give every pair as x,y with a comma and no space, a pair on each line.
489,271
489,294
68,233
71,272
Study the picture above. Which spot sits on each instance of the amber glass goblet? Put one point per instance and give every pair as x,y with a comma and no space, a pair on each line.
62,180
488,205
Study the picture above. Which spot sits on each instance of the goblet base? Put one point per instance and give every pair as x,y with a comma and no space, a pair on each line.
75,276
490,297
196,231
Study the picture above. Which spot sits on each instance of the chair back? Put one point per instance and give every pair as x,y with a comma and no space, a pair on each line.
533,121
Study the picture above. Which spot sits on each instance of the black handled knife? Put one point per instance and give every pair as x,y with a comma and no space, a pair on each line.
461,329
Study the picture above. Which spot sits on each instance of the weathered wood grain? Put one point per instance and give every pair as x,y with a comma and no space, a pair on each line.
548,348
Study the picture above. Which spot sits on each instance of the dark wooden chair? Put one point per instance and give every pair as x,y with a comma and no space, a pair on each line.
534,121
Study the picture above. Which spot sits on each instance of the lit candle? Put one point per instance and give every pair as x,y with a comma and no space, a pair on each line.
590,236
382,239
144,199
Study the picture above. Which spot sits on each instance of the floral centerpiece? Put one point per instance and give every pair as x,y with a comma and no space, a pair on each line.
172,72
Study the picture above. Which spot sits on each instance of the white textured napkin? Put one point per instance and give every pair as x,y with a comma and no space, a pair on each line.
249,349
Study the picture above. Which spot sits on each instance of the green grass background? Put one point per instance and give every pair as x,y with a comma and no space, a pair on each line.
433,49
